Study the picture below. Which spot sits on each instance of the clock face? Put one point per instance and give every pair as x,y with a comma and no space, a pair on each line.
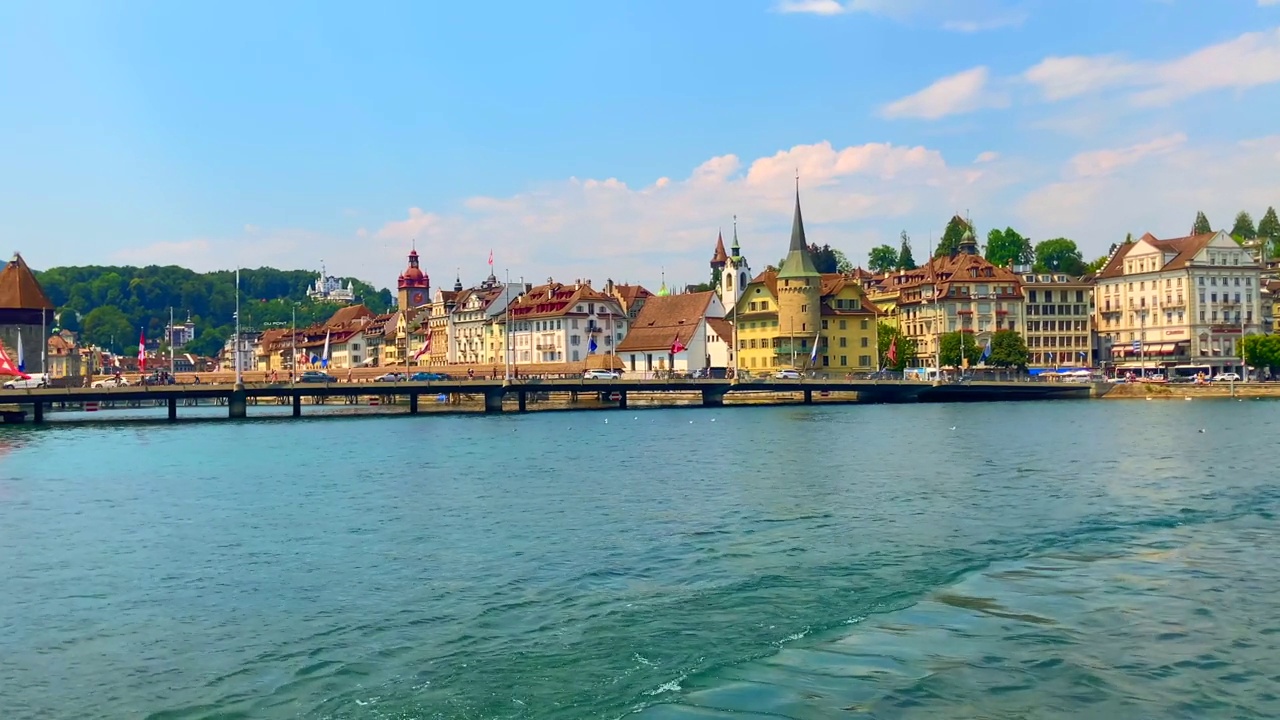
417,298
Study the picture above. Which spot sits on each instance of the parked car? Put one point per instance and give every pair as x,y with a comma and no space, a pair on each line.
389,377
601,375
787,374
114,381
37,380
428,377
159,377
315,376
1227,377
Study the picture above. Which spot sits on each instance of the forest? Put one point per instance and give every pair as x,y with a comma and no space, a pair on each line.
111,306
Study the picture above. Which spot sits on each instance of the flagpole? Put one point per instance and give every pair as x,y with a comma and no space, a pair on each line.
239,377
293,357
171,361
44,344
506,329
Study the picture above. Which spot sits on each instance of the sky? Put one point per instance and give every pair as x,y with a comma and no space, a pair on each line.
613,140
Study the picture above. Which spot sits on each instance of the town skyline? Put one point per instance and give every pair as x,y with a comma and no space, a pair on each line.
309,145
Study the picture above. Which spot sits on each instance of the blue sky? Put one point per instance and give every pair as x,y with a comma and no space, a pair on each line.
602,139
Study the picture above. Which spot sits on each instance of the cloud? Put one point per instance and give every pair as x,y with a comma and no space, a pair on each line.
986,157
1264,3
952,95
600,228
1250,60
1098,163
1155,186
965,16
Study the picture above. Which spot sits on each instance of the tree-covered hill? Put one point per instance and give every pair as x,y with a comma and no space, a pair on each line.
112,305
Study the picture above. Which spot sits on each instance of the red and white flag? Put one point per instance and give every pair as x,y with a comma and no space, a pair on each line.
426,348
491,258
893,350
677,347
142,351
8,369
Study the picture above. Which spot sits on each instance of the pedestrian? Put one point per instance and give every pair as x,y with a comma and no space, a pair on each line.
471,373
349,371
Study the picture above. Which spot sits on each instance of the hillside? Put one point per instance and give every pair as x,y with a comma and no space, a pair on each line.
111,305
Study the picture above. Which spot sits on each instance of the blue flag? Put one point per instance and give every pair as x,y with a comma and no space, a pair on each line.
813,354
986,351
592,346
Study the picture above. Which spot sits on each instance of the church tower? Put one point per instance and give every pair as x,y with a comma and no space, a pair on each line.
413,287
735,275
799,292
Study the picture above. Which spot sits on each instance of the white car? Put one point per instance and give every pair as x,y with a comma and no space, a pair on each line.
787,375
38,380
111,382
601,375
1227,377
389,377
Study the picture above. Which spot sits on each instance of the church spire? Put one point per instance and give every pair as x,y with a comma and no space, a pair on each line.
735,248
798,263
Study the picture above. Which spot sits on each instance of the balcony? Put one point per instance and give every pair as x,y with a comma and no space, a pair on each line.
1174,303
545,346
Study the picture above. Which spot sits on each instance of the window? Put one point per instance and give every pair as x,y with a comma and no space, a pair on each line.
824,324
844,342
844,324
864,324
865,342
573,323
804,308
575,355
864,360
844,360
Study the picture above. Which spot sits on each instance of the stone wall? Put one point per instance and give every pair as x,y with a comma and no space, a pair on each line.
31,339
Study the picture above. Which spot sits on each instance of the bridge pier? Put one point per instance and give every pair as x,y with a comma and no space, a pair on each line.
236,405
297,405
173,408
524,399
573,396
808,397
622,399
493,400
413,403
37,412
713,397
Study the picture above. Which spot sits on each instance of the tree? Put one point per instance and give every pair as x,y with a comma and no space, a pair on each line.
951,237
1201,225
1269,229
956,347
1008,350
69,320
824,258
1243,229
844,265
882,258
1262,351
1006,247
1097,264
905,260
1059,255
108,327
904,352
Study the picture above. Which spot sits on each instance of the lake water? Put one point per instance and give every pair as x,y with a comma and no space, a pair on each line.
1066,559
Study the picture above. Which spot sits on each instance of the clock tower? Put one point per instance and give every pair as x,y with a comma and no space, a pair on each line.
414,287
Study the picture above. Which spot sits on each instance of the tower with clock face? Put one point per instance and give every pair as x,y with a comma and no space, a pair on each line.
414,287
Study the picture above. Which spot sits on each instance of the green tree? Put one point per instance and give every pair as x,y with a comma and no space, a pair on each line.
905,260
1201,225
1005,247
1059,255
843,264
1008,350
1097,264
1269,229
108,326
824,259
1263,351
69,320
1243,229
951,237
883,258
904,352
955,347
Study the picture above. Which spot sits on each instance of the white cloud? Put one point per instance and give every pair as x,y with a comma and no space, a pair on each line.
1264,3
1250,60
1097,163
952,95
1155,186
986,157
965,16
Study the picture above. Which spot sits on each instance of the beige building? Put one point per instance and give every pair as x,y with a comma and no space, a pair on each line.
1059,327
556,323
1186,301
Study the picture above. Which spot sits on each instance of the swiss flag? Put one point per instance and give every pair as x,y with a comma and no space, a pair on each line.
7,368
142,351
677,347
893,350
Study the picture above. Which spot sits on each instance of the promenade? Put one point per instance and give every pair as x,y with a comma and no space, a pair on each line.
22,405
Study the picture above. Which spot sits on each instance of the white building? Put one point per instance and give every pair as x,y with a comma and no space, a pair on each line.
330,289
556,323
691,324
1186,301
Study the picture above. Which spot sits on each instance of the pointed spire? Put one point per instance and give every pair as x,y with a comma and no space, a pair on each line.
719,258
798,263
735,247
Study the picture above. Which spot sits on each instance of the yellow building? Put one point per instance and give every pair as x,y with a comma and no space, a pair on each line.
783,314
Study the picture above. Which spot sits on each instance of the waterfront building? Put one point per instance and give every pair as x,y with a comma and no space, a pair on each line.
631,297
782,313
555,323
63,355
413,287
328,288
959,292
1059,326
439,322
735,271
475,314
1179,301
26,315
179,335
680,333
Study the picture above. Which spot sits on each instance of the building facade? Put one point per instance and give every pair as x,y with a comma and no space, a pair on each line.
1184,301
677,333
1059,328
26,316
555,323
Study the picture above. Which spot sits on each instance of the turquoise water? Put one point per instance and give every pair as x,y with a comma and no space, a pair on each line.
1041,560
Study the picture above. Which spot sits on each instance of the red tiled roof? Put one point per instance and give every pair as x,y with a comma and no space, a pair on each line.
555,300
349,313
722,328
1185,249
720,255
665,318
19,289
